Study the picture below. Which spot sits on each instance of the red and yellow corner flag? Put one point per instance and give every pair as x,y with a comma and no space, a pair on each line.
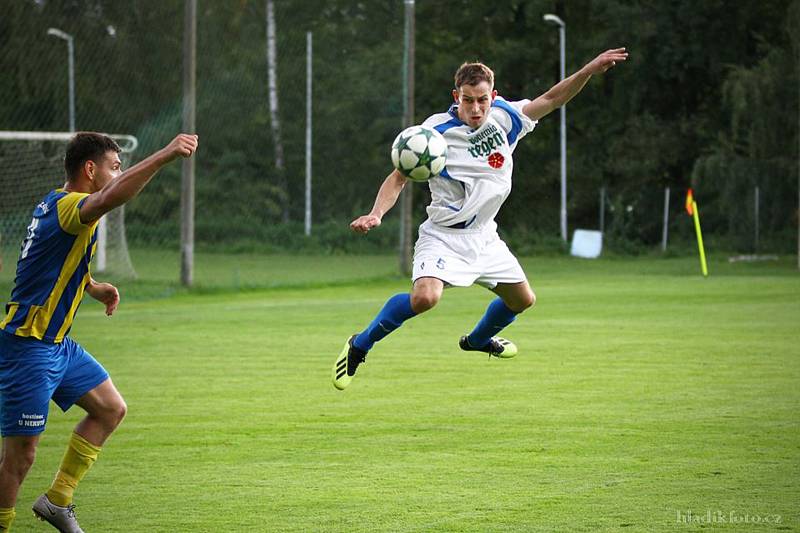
691,208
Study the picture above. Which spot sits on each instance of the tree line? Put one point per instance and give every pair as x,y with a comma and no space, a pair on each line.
709,99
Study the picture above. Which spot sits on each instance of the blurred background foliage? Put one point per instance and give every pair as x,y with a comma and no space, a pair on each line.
708,98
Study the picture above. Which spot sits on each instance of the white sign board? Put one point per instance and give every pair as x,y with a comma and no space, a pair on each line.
586,243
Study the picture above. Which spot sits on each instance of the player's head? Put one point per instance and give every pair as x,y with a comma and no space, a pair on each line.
92,156
474,93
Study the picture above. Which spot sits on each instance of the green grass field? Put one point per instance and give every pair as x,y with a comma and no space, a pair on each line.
645,398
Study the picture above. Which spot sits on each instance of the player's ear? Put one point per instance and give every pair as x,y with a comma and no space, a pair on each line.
494,94
89,168
455,95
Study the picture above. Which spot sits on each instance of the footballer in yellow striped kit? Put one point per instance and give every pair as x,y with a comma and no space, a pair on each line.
38,360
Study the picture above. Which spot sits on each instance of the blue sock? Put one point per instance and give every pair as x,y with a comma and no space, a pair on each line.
497,316
396,311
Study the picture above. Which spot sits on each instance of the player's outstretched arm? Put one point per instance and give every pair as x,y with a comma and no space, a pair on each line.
104,293
385,200
133,180
566,89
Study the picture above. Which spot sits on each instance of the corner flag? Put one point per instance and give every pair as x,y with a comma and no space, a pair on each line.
691,209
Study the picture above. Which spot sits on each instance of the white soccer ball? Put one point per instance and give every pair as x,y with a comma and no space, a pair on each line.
419,153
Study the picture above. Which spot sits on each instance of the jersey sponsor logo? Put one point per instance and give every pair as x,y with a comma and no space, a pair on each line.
496,160
485,142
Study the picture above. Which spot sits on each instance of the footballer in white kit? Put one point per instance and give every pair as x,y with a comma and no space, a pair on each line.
458,244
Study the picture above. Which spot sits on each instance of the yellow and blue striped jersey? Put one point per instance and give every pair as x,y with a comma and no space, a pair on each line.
53,269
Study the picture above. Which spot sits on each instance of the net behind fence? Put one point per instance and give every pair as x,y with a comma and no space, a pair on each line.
33,164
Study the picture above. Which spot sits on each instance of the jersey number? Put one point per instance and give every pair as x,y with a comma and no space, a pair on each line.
29,240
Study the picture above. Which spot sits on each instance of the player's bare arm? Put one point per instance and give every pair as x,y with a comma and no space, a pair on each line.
566,89
133,180
387,196
104,293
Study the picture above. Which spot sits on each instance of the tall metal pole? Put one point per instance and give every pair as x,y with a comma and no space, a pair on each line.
665,232
187,178
55,32
562,39
406,198
308,132
71,51
101,258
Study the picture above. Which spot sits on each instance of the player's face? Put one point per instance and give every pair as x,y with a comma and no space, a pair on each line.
474,102
106,169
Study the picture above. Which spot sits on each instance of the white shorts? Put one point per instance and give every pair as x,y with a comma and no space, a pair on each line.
462,257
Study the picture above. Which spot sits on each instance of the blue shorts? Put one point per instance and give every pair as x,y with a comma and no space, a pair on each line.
33,371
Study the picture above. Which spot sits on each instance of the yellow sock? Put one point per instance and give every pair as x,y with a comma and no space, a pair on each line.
6,518
79,457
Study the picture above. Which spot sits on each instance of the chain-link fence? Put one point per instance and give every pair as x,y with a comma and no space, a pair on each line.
251,168
250,171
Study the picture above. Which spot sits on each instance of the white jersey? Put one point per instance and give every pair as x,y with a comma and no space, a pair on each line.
477,178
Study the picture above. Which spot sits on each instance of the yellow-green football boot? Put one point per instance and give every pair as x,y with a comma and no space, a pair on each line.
346,364
496,347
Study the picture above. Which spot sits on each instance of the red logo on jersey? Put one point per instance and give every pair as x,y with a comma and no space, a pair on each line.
496,160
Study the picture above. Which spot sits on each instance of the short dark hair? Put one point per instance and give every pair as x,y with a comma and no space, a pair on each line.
473,74
85,146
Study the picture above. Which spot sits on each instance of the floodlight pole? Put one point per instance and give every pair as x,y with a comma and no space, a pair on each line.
665,232
554,19
309,42
187,171
55,32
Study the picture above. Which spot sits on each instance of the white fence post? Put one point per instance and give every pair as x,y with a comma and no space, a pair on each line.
665,232
756,217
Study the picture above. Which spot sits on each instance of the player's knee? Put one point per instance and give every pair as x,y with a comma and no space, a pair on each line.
19,461
117,413
26,459
422,301
531,301
525,302
113,413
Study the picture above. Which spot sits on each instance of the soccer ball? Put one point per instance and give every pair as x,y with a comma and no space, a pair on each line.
419,153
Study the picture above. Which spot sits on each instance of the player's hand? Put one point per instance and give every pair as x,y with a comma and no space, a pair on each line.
365,223
184,145
106,294
606,60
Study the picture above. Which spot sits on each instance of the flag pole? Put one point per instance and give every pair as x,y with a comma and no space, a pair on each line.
691,208
696,216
